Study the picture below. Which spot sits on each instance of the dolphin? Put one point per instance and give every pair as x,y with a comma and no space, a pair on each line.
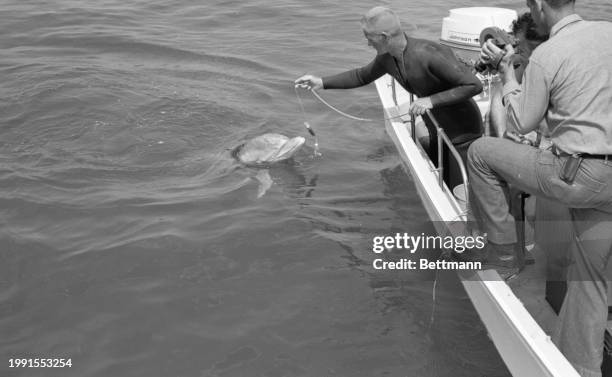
264,150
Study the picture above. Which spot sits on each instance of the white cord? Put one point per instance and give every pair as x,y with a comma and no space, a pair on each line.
349,115
338,111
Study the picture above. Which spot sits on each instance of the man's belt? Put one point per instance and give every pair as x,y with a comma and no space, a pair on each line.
557,152
598,156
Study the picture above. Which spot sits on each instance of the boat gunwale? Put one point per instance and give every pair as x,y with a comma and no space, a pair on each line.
525,348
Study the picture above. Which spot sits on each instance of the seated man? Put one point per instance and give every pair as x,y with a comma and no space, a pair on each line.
528,37
425,68
569,83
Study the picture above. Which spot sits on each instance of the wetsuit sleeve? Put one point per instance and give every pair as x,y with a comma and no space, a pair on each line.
464,84
355,77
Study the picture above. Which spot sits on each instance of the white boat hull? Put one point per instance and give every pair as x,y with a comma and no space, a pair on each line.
525,348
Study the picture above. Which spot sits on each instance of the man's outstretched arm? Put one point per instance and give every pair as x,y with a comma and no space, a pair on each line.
353,78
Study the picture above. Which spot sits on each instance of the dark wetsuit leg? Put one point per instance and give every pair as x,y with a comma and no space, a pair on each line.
462,123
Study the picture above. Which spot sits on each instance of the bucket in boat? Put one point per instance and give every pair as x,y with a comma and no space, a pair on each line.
459,193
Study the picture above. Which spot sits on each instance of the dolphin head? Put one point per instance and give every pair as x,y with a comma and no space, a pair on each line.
268,148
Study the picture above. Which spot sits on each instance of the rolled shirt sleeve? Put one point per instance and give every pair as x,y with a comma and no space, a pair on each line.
526,104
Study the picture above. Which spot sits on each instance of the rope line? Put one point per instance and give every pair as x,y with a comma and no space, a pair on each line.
339,111
297,94
323,101
307,125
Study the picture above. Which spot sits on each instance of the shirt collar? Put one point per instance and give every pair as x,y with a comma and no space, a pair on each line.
564,22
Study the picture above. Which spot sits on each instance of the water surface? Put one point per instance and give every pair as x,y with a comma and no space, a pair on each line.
133,244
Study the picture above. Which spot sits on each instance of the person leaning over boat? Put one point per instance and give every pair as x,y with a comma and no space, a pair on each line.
425,68
569,82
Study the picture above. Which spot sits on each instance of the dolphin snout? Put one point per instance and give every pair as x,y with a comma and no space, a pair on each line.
288,149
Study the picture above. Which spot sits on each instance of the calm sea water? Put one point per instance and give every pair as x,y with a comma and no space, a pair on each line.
131,242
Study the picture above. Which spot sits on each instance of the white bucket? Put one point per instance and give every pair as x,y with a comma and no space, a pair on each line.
459,193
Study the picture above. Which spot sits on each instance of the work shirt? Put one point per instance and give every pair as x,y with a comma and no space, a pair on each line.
569,83
428,70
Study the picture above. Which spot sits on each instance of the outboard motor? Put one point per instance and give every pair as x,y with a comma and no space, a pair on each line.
461,30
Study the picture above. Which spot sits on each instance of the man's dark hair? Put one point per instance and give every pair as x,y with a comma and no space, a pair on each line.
526,24
556,4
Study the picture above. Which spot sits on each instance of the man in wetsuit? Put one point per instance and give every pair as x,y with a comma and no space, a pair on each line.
425,68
